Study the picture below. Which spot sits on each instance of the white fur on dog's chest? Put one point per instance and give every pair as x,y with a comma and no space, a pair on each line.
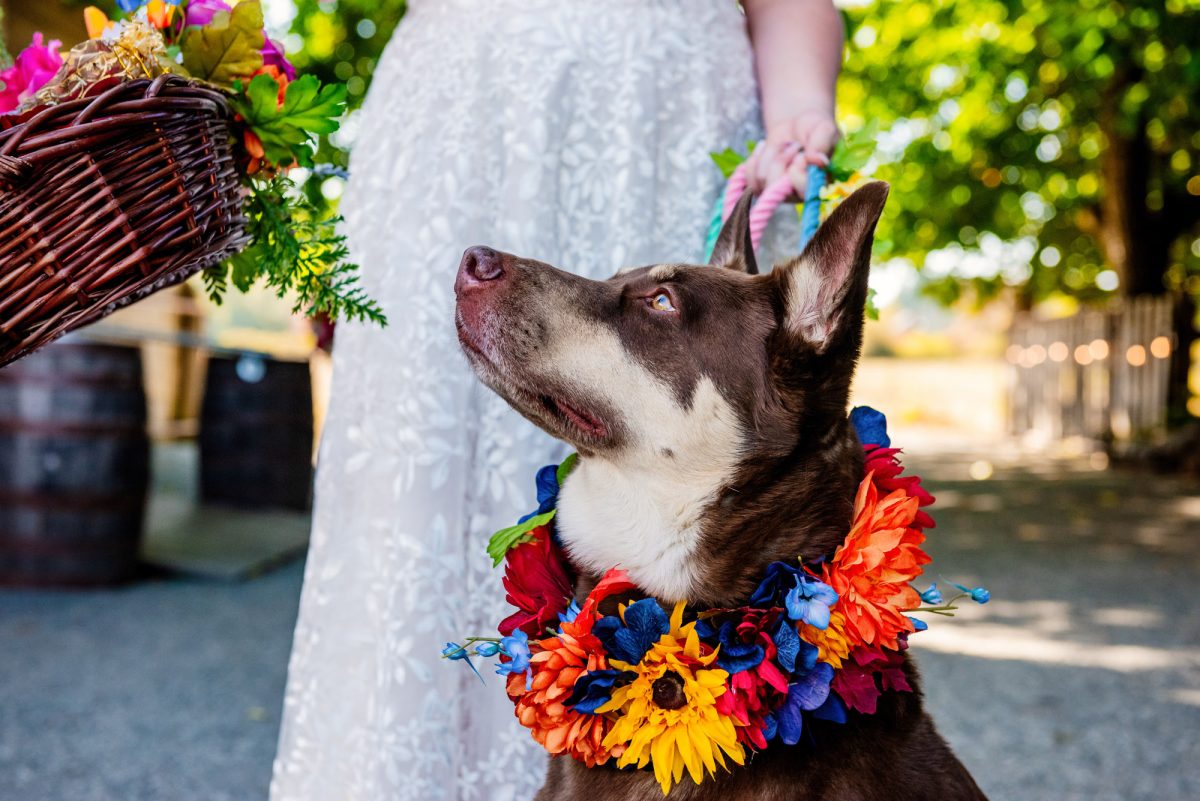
647,517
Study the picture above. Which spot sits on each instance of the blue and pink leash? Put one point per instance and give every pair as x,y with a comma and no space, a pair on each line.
771,198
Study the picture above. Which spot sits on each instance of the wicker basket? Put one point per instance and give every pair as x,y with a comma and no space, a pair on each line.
107,199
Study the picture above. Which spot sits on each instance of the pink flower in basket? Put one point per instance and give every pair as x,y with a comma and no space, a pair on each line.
273,56
200,12
36,65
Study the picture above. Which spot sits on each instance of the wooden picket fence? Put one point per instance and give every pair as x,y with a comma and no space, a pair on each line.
1097,374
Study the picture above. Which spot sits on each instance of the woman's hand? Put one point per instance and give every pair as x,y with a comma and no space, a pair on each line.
790,147
797,54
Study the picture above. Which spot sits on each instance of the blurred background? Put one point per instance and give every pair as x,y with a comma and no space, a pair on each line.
1036,278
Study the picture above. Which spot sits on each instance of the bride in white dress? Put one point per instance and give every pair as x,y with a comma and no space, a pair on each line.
576,132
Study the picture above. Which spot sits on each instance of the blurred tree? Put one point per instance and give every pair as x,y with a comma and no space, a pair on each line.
1069,126
341,40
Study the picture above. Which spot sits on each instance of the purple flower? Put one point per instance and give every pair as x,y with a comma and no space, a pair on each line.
201,12
272,54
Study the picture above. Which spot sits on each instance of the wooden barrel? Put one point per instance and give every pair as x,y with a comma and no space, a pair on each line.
256,433
74,466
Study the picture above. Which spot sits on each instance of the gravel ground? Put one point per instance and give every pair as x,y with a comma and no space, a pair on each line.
1080,680
161,691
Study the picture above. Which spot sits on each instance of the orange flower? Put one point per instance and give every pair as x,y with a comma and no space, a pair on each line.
159,13
831,642
279,78
556,663
872,569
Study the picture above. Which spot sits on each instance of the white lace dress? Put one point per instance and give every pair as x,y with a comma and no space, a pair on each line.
576,132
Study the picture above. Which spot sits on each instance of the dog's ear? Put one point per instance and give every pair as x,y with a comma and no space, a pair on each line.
734,248
825,288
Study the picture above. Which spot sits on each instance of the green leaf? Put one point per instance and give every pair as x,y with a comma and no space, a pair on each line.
565,468
727,160
286,131
853,152
872,309
228,48
296,250
506,539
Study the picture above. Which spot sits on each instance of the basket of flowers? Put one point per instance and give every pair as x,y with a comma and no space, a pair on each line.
157,149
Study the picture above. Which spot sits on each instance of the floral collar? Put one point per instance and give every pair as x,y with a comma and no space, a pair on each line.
643,687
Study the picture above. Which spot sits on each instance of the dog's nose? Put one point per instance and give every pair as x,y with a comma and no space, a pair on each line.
479,265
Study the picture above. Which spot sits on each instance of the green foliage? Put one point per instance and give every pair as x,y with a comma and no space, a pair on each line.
342,42
1031,119
286,132
296,249
226,49
506,539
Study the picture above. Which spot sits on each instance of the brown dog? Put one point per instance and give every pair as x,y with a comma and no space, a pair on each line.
709,410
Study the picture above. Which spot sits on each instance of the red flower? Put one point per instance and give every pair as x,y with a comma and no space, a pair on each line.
882,462
752,694
535,577
866,673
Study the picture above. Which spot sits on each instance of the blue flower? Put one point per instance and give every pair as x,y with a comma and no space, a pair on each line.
871,426
778,580
735,655
594,689
932,595
547,492
628,640
516,648
918,624
130,6
487,649
979,595
457,653
809,601
793,654
809,693
570,614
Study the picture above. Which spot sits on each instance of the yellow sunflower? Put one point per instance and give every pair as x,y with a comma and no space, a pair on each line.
668,714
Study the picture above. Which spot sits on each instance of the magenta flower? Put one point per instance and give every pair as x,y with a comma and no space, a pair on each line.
273,56
201,12
34,67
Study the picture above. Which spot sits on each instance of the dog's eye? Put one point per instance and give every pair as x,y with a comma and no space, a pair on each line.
661,302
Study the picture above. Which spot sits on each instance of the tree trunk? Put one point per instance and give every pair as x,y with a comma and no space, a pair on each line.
1136,241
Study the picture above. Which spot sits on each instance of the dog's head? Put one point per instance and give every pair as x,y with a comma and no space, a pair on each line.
708,405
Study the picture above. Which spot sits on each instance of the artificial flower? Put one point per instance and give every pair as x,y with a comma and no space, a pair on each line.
805,695
809,601
831,642
555,667
932,595
272,53
872,570
979,595
668,713
201,12
536,580
757,685
95,21
159,13
867,674
32,69
885,467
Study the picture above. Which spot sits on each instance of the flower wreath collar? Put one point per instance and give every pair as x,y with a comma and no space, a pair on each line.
642,687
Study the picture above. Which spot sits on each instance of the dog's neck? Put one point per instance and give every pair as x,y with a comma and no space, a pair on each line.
705,531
